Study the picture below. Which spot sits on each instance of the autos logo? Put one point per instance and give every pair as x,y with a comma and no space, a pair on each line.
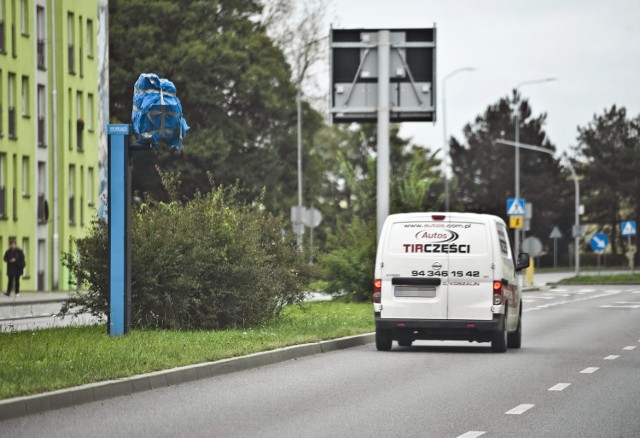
437,266
441,236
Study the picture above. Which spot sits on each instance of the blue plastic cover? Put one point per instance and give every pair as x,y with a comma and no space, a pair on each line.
157,113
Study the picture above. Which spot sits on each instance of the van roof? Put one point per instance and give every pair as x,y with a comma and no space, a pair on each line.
449,215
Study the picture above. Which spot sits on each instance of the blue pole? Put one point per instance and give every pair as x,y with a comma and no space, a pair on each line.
118,227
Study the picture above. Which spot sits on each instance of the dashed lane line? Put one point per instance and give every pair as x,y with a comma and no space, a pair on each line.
612,357
559,387
471,434
518,410
589,370
630,347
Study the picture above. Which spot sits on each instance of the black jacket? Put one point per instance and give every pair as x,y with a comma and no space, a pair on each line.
16,267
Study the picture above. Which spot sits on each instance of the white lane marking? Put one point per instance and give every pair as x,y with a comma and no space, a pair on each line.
630,347
586,290
627,302
519,409
612,357
559,387
589,370
471,434
629,306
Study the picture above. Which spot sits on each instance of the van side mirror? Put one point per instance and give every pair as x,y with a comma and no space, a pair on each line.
523,261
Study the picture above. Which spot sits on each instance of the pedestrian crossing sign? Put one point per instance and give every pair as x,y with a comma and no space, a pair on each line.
515,207
628,228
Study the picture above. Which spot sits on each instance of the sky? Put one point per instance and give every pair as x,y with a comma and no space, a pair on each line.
591,47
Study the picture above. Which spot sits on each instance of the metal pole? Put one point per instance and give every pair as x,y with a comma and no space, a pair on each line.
299,229
576,236
383,129
55,260
517,171
446,158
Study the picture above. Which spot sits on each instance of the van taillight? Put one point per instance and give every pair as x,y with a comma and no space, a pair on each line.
497,292
377,288
437,217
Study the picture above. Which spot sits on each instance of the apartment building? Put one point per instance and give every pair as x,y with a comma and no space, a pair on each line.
50,132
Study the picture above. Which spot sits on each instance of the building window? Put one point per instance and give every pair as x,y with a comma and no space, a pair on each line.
3,187
25,96
26,177
41,38
12,106
42,113
14,188
90,186
89,38
1,98
24,17
70,39
43,206
79,122
27,263
90,112
80,57
72,199
2,30
81,196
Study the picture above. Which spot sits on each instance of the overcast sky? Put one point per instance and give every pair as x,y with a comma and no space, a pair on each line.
592,47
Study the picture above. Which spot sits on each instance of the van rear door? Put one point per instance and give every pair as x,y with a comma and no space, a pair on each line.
412,283
470,276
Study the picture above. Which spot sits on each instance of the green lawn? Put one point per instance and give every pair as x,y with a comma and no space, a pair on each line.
604,278
36,361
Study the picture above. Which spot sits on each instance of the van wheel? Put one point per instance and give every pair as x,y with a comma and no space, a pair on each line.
499,341
383,340
405,342
514,340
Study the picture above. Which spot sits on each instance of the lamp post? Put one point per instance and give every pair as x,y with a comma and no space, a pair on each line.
576,184
517,160
445,161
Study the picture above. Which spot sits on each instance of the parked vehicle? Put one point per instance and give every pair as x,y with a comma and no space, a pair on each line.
447,276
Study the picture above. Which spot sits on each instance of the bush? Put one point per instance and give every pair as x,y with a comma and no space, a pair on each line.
348,264
208,263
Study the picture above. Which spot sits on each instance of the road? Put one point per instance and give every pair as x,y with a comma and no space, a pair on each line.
576,376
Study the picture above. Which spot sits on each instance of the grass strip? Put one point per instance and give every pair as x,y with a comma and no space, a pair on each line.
603,279
37,361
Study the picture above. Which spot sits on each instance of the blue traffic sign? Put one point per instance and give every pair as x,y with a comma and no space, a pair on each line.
515,207
628,228
599,242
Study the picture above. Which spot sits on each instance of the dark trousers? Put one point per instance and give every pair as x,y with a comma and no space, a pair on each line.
14,280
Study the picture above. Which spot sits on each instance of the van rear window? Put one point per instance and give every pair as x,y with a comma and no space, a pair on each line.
426,238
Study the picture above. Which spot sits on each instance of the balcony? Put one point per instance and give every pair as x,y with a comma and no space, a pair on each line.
41,54
12,122
42,139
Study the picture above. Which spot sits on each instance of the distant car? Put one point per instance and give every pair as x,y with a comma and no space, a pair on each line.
447,276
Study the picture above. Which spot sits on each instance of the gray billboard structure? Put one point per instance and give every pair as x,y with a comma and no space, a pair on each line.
383,76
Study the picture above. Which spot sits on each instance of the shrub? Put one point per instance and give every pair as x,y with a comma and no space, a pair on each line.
349,261
207,263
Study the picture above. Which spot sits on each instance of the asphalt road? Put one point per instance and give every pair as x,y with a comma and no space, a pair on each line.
577,375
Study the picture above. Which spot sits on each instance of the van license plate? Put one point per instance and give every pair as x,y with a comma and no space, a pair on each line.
414,291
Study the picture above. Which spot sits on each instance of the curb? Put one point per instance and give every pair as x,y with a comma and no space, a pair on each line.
16,303
62,398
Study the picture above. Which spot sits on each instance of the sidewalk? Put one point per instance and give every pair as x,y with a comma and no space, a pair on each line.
30,298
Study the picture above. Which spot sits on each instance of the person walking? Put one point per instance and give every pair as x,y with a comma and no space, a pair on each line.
15,267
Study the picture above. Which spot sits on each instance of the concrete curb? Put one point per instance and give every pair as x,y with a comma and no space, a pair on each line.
15,303
34,404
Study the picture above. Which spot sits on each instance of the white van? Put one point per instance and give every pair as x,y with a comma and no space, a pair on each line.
447,276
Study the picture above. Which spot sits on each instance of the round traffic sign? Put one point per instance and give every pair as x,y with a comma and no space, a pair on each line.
599,242
532,246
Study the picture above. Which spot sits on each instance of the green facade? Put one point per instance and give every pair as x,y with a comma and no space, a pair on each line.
50,135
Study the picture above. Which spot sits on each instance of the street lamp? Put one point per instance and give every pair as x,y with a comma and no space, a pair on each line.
444,129
576,184
517,160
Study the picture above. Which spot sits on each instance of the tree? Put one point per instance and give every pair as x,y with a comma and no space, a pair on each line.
234,84
484,170
609,147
